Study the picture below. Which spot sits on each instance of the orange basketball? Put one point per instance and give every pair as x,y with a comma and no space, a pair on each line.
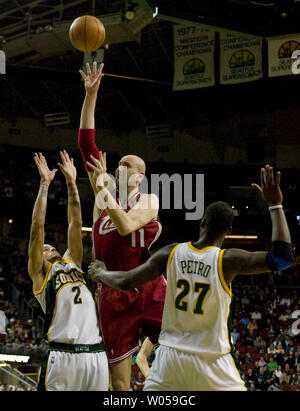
87,33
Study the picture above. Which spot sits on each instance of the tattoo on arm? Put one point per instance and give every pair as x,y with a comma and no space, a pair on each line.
44,189
73,194
32,236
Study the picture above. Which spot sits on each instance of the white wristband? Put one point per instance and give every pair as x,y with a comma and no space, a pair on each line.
274,207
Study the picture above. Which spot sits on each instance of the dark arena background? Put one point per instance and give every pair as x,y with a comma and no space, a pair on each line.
230,108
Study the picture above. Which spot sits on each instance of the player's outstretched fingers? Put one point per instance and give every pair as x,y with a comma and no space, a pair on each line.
96,161
83,75
257,187
92,166
263,180
67,157
37,159
270,178
88,69
102,160
99,71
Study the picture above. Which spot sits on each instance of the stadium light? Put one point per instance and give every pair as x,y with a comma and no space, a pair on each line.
14,358
242,237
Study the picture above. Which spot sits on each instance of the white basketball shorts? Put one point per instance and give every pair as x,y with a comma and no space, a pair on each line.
174,370
64,371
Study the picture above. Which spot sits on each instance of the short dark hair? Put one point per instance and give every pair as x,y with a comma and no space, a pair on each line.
219,217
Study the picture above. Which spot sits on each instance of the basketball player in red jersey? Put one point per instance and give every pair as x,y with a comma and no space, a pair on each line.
122,237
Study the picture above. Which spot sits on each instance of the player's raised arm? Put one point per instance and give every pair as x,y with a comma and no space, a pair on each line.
86,135
75,249
126,280
280,257
37,232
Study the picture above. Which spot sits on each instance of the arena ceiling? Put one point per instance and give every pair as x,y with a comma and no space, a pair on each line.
42,67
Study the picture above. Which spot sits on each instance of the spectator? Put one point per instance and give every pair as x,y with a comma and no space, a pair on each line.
272,350
250,337
271,333
235,335
272,365
252,387
291,360
284,316
261,362
266,372
273,386
256,315
295,379
252,325
285,300
285,378
248,359
245,300
244,321
278,371
288,369
260,343
249,376
280,349
260,384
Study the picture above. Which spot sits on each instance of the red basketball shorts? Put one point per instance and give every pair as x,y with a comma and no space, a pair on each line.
124,313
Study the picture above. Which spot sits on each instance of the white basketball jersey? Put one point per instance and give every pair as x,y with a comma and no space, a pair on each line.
197,304
67,301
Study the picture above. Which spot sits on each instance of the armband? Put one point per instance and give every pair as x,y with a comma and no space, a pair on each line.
280,257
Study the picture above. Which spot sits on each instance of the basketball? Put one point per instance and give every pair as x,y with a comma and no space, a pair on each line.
87,33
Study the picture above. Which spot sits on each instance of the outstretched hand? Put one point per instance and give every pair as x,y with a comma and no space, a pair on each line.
46,175
92,78
269,188
67,167
96,269
100,178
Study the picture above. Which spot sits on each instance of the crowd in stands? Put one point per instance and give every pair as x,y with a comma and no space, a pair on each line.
19,183
265,336
17,335
262,334
262,312
262,319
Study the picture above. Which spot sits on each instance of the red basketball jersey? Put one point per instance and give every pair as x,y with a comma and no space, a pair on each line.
123,253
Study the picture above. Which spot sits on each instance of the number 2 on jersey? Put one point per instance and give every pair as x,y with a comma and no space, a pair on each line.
200,288
77,299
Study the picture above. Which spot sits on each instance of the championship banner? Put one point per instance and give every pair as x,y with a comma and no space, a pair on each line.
193,57
240,59
280,55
